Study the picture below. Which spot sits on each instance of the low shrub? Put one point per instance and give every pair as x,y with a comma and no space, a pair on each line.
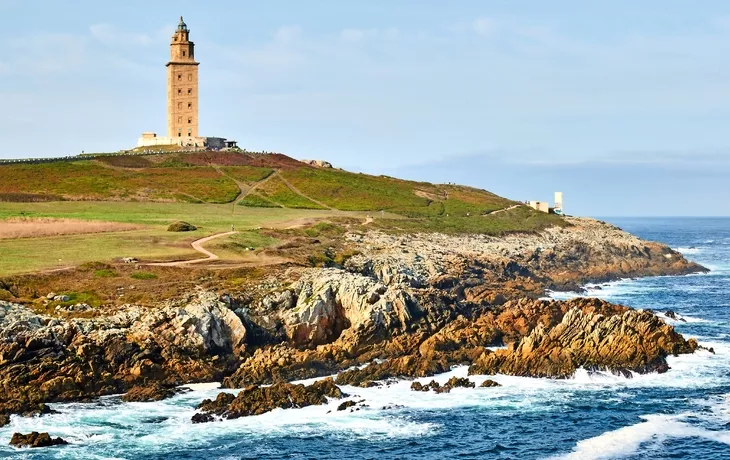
181,226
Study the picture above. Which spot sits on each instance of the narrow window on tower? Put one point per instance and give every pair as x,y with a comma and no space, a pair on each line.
190,91
190,77
179,77
190,131
183,53
190,105
179,105
179,92
179,119
190,121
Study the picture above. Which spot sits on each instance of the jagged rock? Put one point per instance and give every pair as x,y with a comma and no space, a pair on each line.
318,163
489,383
202,418
329,301
4,420
345,405
149,392
635,341
35,439
411,305
453,382
672,315
43,359
257,400
460,382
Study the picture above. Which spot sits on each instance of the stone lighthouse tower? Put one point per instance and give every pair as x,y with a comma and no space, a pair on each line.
182,88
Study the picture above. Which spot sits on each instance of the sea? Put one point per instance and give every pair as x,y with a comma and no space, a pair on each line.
681,414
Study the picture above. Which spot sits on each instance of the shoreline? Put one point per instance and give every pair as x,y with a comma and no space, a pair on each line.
414,305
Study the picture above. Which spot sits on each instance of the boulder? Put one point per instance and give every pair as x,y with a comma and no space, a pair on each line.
346,405
489,383
35,439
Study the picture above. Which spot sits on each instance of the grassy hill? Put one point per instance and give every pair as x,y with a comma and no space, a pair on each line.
221,177
217,190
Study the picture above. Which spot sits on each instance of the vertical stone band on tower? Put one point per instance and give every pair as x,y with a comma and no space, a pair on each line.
182,88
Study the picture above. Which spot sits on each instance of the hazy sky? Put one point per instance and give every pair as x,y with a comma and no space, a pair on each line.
622,105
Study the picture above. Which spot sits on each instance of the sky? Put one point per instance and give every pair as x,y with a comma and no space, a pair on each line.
622,105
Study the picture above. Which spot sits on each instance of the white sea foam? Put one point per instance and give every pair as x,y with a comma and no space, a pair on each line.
628,440
690,250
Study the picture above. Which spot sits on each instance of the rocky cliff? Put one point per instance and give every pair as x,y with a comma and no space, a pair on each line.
405,305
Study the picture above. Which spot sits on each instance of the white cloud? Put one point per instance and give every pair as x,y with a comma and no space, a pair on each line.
484,26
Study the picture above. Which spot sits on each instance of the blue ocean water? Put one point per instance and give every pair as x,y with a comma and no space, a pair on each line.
684,413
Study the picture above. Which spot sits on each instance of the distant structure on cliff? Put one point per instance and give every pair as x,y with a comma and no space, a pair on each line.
543,206
558,209
182,99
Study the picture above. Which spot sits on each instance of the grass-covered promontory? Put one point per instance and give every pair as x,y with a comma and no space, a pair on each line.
221,177
218,191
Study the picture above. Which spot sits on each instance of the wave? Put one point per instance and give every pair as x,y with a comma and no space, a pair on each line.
630,439
690,250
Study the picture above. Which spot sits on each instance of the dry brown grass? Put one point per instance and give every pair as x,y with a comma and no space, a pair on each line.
33,227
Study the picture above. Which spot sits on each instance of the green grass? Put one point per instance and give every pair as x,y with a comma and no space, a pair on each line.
241,244
151,243
361,192
276,190
256,201
143,276
105,273
247,174
155,191
522,219
88,180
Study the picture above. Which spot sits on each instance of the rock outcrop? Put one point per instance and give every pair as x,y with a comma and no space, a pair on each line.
43,359
257,400
633,341
403,306
35,439
149,392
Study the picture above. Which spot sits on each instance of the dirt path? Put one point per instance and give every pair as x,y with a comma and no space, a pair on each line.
503,210
254,187
198,246
295,190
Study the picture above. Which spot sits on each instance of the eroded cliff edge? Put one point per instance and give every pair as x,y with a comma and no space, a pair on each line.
407,305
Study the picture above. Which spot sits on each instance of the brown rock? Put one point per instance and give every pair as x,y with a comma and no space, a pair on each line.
634,340
257,400
35,439
150,392
489,383
345,405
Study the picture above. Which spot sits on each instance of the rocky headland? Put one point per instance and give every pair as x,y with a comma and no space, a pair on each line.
402,306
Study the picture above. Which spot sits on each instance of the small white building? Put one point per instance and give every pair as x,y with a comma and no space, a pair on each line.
541,206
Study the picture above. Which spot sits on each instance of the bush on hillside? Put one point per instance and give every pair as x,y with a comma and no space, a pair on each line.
181,226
